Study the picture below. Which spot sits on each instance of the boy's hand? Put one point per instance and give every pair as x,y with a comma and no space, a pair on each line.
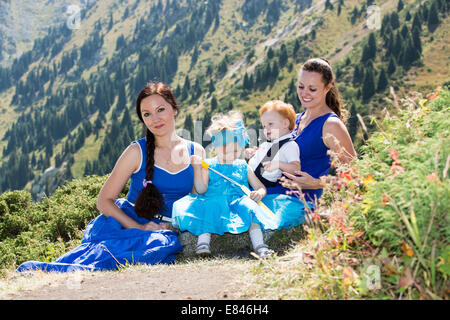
271,165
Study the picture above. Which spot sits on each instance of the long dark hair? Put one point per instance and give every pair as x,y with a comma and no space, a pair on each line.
150,201
323,66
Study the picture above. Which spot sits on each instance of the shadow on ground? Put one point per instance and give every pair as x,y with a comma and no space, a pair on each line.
239,245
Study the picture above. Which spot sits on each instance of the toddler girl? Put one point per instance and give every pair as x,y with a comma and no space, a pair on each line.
224,207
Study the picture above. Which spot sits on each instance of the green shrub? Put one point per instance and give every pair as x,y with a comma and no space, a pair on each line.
47,229
15,200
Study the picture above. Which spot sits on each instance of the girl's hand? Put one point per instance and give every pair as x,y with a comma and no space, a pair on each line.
257,195
250,152
271,165
196,160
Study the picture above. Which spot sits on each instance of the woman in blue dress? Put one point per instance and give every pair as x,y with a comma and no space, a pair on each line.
318,129
138,229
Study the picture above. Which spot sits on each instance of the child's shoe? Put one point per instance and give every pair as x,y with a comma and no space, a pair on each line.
263,251
203,249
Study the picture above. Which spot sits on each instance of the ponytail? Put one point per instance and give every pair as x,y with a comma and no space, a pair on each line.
333,100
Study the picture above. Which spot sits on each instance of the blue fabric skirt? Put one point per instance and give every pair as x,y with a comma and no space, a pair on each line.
106,246
205,214
289,210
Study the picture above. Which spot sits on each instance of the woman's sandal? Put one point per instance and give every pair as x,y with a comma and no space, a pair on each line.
203,249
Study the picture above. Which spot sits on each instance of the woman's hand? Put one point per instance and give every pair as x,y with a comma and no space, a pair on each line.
150,226
250,152
167,226
302,180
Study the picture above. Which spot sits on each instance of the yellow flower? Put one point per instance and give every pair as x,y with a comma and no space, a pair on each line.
368,179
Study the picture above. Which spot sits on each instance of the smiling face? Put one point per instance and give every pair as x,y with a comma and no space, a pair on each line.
158,115
311,89
274,125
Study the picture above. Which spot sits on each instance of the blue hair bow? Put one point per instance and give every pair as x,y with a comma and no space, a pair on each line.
238,134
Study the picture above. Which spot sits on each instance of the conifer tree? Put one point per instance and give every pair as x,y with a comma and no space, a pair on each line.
270,53
246,82
214,104
382,81
416,40
392,66
211,86
368,88
358,75
189,124
283,56
433,17
395,22
275,70
417,22
352,122
122,99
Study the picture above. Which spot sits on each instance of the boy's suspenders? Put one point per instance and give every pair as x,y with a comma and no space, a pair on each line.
269,157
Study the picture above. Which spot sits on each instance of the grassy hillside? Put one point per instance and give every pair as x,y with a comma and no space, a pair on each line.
236,43
381,230
23,21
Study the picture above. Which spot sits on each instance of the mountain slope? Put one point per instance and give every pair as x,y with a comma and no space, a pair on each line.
63,103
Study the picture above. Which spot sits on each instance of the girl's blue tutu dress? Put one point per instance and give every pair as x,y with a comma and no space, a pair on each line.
225,208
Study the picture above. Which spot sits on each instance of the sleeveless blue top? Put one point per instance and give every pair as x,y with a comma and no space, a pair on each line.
314,159
172,186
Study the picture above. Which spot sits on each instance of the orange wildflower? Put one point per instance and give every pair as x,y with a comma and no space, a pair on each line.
346,175
434,94
407,250
433,177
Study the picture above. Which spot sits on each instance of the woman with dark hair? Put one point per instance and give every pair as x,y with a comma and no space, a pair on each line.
158,165
138,229
319,128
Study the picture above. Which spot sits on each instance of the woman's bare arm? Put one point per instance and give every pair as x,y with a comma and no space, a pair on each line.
127,163
337,139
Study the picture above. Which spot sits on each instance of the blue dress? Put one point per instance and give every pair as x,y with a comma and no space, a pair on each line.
225,208
313,152
107,245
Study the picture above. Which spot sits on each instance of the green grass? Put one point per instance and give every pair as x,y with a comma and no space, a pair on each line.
384,215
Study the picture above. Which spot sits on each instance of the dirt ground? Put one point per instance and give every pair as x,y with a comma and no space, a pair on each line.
198,280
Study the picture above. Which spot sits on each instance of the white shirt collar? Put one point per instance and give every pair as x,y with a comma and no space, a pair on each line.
281,138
